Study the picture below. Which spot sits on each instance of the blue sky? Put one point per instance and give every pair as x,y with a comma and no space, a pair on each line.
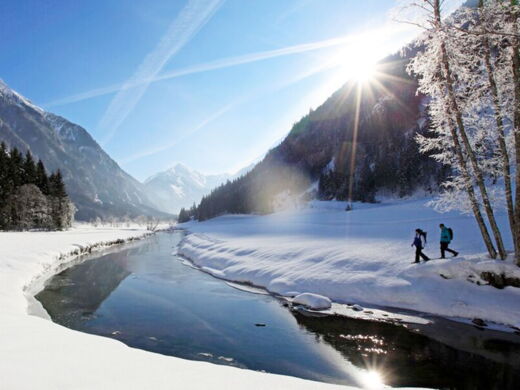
213,84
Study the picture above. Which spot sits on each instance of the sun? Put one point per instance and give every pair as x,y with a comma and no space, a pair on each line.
362,71
359,62
372,380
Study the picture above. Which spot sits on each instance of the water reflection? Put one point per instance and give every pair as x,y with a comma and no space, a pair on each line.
413,357
74,298
146,298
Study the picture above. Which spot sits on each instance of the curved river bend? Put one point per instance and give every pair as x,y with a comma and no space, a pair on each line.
147,298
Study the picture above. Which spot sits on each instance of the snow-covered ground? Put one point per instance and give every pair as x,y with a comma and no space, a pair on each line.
362,256
38,354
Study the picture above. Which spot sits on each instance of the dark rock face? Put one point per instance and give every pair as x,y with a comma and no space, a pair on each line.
500,280
95,183
479,322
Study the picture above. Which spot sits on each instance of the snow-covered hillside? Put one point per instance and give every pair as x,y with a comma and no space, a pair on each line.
181,186
38,354
363,256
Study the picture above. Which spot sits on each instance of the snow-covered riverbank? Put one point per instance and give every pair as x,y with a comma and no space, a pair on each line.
362,256
38,354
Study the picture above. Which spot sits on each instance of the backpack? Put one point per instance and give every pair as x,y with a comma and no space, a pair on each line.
450,230
423,233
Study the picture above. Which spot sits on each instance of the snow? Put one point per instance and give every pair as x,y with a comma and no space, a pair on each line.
358,312
178,190
330,166
362,256
313,301
16,97
38,354
97,200
286,200
250,289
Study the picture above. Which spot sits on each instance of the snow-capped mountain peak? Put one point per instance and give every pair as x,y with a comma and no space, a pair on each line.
179,174
14,97
181,186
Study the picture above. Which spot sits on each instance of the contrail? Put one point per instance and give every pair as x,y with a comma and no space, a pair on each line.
265,89
152,151
190,20
213,65
220,112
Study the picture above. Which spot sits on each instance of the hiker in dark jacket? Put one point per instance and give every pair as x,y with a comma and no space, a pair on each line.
419,245
446,237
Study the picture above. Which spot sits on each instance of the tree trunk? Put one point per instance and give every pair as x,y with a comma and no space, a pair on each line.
506,168
469,150
471,191
516,132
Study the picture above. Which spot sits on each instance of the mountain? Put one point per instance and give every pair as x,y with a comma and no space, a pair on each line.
315,157
181,186
95,183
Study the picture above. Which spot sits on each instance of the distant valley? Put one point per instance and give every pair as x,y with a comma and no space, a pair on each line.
97,185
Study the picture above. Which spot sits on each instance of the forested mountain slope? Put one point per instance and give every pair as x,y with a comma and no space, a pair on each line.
95,183
319,148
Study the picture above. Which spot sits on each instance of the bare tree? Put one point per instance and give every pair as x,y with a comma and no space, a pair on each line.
436,80
152,224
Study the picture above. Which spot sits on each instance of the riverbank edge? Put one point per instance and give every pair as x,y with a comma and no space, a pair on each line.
490,324
391,314
69,259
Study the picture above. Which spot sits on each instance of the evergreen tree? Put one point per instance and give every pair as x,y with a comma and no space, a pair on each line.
3,172
29,169
59,200
57,187
183,216
4,190
29,199
42,180
14,169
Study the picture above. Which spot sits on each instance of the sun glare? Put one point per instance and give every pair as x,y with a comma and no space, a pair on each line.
358,62
362,71
372,380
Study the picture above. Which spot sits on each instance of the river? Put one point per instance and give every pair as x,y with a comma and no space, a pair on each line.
148,298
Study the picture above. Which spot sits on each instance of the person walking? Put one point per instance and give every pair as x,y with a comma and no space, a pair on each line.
446,237
419,245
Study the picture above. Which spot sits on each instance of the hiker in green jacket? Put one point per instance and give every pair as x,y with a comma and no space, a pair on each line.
446,237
